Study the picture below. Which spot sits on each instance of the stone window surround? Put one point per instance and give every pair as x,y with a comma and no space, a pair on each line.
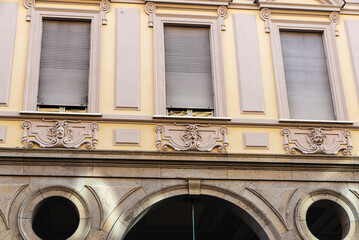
325,194
33,61
28,207
335,78
161,19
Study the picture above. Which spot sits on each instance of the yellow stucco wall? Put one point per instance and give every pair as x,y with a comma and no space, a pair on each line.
148,135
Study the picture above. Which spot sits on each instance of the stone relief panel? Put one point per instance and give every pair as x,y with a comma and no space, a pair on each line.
56,133
191,137
317,140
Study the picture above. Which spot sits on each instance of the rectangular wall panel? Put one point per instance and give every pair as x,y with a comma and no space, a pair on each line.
2,134
127,73
248,64
352,27
8,19
127,137
255,140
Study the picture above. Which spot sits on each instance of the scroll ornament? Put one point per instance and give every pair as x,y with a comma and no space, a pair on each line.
150,9
61,134
191,137
317,140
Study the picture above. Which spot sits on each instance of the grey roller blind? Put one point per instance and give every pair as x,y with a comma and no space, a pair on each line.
306,76
64,64
188,68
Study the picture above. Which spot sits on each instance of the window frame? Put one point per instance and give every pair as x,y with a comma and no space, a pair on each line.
214,24
34,52
331,53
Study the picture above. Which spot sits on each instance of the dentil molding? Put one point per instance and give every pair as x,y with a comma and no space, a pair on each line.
61,134
191,137
317,140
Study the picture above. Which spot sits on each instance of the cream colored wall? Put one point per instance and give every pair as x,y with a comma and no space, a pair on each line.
14,130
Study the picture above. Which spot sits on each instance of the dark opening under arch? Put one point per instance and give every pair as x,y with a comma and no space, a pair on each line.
215,219
327,220
55,218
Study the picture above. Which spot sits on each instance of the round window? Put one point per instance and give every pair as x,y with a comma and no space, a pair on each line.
327,220
55,218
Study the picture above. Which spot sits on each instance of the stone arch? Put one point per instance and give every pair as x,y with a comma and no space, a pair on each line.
29,204
129,217
325,194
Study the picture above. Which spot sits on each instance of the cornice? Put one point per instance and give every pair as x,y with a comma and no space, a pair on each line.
56,155
329,6
194,2
153,120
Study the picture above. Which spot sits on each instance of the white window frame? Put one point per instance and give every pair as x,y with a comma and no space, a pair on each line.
213,22
334,74
34,53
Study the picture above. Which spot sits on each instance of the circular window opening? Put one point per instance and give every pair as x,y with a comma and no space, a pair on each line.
327,220
55,218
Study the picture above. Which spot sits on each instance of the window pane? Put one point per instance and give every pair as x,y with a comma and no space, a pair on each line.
306,76
188,68
64,65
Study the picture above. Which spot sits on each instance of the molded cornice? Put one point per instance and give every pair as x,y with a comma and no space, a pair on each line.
323,5
194,2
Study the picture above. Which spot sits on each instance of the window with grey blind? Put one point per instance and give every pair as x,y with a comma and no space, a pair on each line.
188,68
64,64
306,76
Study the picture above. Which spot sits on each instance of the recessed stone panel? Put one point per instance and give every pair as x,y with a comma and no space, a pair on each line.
127,137
255,140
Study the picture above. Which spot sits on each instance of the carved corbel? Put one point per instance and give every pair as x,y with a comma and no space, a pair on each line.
29,4
56,133
317,140
105,7
335,18
265,15
191,137
150,9
222,12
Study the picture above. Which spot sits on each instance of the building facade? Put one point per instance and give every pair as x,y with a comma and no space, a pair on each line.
179,119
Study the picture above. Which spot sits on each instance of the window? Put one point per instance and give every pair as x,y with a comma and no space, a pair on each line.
64,65
63,61
307,73
188,71
189,78
306,76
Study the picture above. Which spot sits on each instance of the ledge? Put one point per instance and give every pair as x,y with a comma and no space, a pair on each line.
194,2
192,118
60,114
323,122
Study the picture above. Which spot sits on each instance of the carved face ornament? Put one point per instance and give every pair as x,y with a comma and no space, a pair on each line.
192,135
316,136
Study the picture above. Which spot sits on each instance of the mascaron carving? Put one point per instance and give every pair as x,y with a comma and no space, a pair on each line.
191,137
56,133
317,140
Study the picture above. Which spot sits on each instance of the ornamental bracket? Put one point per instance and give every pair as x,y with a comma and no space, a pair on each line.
191,137
59,134
317,141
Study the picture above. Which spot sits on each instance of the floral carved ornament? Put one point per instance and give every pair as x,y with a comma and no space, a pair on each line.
56,133
317,140
191,137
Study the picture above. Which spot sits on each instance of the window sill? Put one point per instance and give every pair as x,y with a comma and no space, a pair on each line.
336,122
61,113
192,118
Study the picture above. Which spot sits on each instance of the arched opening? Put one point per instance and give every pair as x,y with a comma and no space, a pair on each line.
214,219
327,220
55,218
